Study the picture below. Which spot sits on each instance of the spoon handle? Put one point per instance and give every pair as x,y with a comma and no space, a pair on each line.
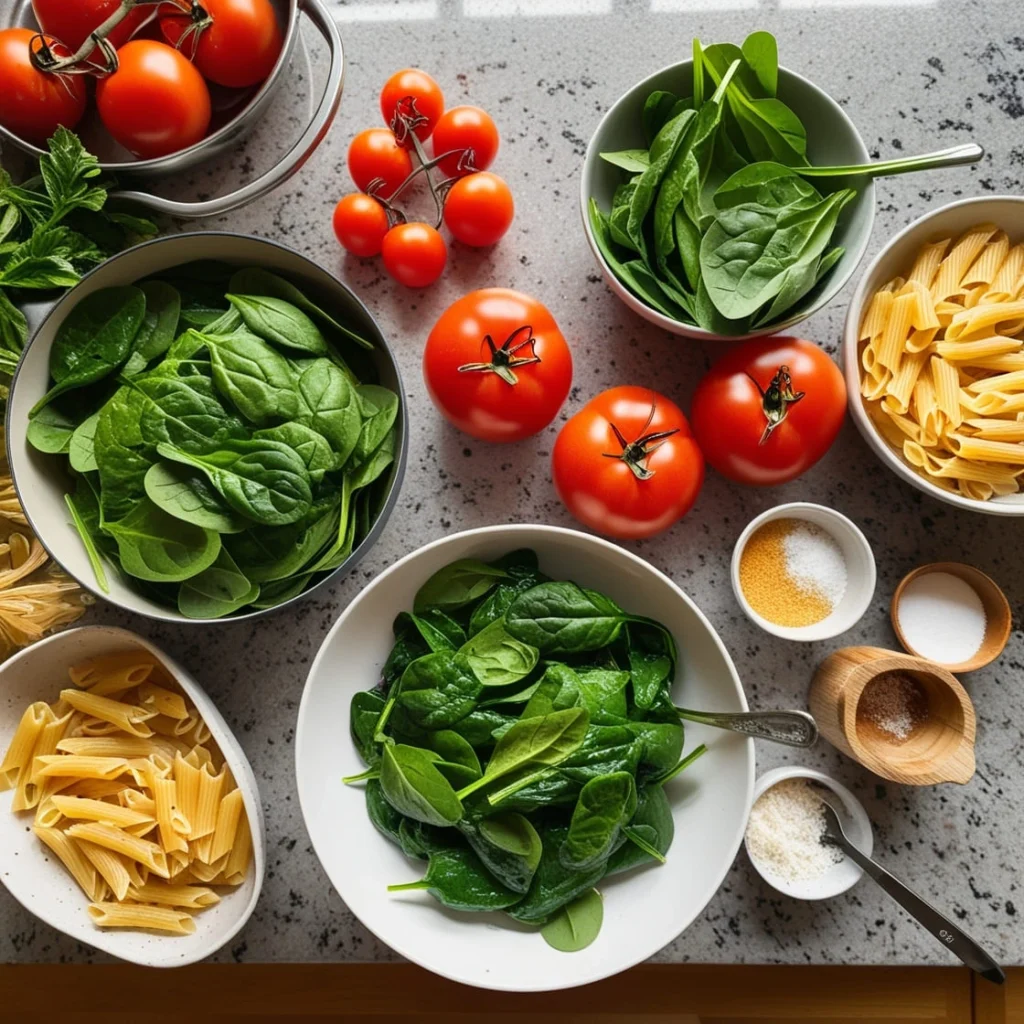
968,153
952,937
793,728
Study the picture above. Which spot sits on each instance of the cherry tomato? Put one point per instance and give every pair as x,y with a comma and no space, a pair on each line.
360,223
479,208
465,128
497,366
156,102
239,48
768,410
71,22
414,254
411,97
626,464
34,103
373,153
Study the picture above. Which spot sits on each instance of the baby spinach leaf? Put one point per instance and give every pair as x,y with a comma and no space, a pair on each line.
652,825
435,639
379,408
252,376
159,326
155,546
457,878
454,748
559,688
457,584
479,727
767,183
605,805
82,449
263,480
313,448
217,591
498,659
186,495
330,405
507,844
384,818
651,661
636,161
662,744
658,109
438,689
516,697
414,787
280,322
364,710
576,925
761,53
94,339
89,543
50,431
560,617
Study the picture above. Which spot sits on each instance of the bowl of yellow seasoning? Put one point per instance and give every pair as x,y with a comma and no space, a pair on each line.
803,572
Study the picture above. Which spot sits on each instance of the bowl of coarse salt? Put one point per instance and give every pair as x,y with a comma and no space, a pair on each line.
785,831
951,614
803,572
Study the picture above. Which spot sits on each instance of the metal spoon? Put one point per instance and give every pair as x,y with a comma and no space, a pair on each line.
793,728
953,938
967,153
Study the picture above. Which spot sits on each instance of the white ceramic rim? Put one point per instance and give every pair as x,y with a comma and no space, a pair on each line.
640,953
829,292
851,368
245,778
853,807
812,633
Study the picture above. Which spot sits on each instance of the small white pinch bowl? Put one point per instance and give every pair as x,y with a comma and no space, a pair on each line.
843,875
860,571
37,879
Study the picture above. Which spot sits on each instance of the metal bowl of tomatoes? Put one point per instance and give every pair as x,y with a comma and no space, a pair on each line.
148,120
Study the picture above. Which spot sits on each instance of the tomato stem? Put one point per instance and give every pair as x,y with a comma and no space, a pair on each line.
636,453
503,360
775,402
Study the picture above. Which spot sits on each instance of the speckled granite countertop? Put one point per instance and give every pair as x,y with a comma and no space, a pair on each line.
914,75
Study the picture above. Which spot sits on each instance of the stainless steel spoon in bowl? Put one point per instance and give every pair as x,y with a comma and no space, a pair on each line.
955,939
792,728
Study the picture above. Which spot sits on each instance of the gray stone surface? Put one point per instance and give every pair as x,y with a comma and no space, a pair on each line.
913,76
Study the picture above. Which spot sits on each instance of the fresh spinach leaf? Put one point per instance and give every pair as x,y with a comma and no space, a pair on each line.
412,785
217,591
280,322
186,495
89,543
605,805
457,584
50,431
457,878
438,689
576,925
560,617
497,658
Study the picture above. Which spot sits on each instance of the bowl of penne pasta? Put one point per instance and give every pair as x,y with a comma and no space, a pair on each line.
933,353
129,815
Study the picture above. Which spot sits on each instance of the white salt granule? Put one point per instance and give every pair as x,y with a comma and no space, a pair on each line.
784,833
815,562
942,617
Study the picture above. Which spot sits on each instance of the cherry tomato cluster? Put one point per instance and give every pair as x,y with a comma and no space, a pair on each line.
153,61
474,204
628,464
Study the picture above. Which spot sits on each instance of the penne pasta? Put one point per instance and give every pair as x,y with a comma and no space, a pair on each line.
137,915
111,867
191,897
162,701
229,815
118,841
70,854
99,810
19,753
128,718
80,767
112,673
172,824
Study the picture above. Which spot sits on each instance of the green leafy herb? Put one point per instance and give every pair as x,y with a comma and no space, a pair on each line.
577,924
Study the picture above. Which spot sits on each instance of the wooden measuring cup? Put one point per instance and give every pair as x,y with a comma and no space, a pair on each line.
939,749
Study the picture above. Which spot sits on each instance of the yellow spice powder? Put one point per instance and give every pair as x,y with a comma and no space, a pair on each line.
767,585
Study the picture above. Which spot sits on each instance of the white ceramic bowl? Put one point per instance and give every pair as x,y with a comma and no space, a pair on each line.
33,875
860,571
644,909
895,259
855,824
832,140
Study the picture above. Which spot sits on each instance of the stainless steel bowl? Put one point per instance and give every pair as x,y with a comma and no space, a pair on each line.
41,481
238,115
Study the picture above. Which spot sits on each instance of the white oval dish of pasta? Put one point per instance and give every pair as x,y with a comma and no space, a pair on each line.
934,354
130,819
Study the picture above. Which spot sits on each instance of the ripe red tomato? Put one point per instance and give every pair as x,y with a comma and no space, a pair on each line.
239,48
626,464
374,154
72,22
411,95
33,103
360,223
465,128
497,366
479,209
414,254
156,102
768,410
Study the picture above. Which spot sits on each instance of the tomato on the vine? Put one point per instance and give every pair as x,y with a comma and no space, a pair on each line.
411,97
71,22
156,102
497,366
34,103
238,47
414,254
360,223
463,129
374,154
768,410
626,464
479,209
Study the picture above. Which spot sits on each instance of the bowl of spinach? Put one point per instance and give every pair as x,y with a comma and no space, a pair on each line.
714,198
492,766
207,426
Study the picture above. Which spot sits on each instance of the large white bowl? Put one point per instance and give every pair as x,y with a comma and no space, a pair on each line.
644,909
832,140
32,874
896,259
